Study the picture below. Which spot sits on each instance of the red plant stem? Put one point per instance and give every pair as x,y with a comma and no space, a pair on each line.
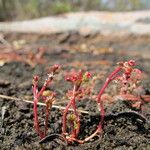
77,116
65,117
100,102
36,97
66,111
108,80
36,120
93,135
72,102
47,82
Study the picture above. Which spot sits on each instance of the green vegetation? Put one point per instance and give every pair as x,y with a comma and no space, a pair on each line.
61,7
28,9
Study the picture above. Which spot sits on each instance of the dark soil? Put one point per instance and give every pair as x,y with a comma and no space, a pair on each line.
95,53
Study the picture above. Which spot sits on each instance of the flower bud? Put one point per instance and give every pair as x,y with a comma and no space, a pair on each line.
36,78
131,62
55,67
88,74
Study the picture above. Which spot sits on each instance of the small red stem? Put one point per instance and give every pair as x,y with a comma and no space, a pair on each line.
108,80
35,109
72,102
64,118
36,120
100,102
47,82
77,116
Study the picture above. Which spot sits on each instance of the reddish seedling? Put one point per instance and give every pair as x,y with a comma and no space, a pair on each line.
45,95
77,79
125,75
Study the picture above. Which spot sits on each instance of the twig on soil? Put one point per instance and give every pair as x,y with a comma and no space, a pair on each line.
41,104
107,116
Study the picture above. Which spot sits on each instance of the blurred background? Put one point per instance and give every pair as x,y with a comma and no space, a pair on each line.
12,10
